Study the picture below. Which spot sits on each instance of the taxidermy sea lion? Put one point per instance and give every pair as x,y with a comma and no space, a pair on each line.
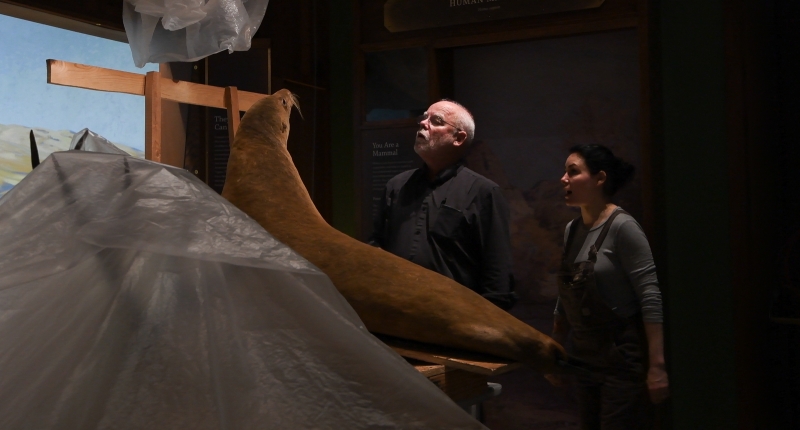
391,295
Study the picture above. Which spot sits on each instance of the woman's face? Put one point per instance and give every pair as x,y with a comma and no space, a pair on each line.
580,186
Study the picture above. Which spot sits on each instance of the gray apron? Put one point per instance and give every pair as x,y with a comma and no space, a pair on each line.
577,285
614,348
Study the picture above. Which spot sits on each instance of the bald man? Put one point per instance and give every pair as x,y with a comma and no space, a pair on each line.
445,217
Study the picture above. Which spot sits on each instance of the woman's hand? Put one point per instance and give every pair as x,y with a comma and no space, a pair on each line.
657,384
657,379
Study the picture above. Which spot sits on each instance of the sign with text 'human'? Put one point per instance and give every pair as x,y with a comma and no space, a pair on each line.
405,15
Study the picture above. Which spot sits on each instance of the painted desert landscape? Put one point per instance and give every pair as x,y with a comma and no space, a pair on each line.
15,152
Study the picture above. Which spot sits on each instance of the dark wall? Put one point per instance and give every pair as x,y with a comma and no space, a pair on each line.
342,125
298,33
694,215
787,44
721,190
783,344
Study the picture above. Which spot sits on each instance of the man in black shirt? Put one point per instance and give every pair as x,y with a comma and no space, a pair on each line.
445,217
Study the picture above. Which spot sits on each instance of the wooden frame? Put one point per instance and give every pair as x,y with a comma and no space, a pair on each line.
155,89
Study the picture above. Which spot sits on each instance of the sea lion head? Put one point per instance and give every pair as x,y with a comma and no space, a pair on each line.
267,121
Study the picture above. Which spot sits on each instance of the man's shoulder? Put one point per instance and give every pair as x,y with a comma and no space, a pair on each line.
478,181
400,179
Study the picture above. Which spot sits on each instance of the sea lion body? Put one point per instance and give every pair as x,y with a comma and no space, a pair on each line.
391,295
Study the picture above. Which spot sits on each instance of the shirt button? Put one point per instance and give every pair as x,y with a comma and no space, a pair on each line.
416,232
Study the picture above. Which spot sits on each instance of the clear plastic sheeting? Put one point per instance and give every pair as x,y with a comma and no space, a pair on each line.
132,296
160,31
87,140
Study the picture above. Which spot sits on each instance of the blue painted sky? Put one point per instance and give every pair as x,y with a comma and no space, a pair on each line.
27,99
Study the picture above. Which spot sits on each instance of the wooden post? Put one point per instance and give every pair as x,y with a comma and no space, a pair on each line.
232,104
152,116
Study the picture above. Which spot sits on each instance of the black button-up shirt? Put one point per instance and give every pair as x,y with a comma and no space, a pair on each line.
456,225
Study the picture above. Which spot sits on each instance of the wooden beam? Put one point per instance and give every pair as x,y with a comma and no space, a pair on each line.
193,94
101,79
247,99
94,78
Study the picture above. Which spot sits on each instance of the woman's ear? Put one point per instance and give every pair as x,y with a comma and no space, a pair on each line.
601,177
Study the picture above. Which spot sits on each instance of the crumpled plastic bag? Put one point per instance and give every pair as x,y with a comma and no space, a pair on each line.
161,31
175,14
133,296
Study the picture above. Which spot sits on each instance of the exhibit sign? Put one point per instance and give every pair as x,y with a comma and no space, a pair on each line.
405,15
219,148
385,153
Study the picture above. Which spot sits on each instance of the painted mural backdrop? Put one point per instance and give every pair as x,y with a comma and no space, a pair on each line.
532,101
55,113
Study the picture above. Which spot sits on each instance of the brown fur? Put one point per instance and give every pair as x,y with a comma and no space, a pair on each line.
391,295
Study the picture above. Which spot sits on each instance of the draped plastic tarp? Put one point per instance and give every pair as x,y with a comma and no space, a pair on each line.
87,140
132,296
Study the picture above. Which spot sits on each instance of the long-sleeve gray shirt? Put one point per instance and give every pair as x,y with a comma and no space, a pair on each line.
625,271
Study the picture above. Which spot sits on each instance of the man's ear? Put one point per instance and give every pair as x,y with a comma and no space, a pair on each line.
460,138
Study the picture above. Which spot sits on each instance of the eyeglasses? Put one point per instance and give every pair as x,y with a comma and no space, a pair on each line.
435,120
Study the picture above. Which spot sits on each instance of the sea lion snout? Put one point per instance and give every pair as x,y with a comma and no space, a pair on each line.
288,101
267,121
549,356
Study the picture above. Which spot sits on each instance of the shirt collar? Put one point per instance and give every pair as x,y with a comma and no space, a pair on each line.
444,175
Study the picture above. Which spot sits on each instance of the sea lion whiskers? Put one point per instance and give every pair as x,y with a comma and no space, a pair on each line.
296,104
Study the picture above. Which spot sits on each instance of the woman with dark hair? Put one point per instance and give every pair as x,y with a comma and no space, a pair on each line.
609,298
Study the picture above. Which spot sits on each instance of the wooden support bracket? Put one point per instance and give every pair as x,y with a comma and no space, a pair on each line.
152,116
464,360
232,104
155,89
